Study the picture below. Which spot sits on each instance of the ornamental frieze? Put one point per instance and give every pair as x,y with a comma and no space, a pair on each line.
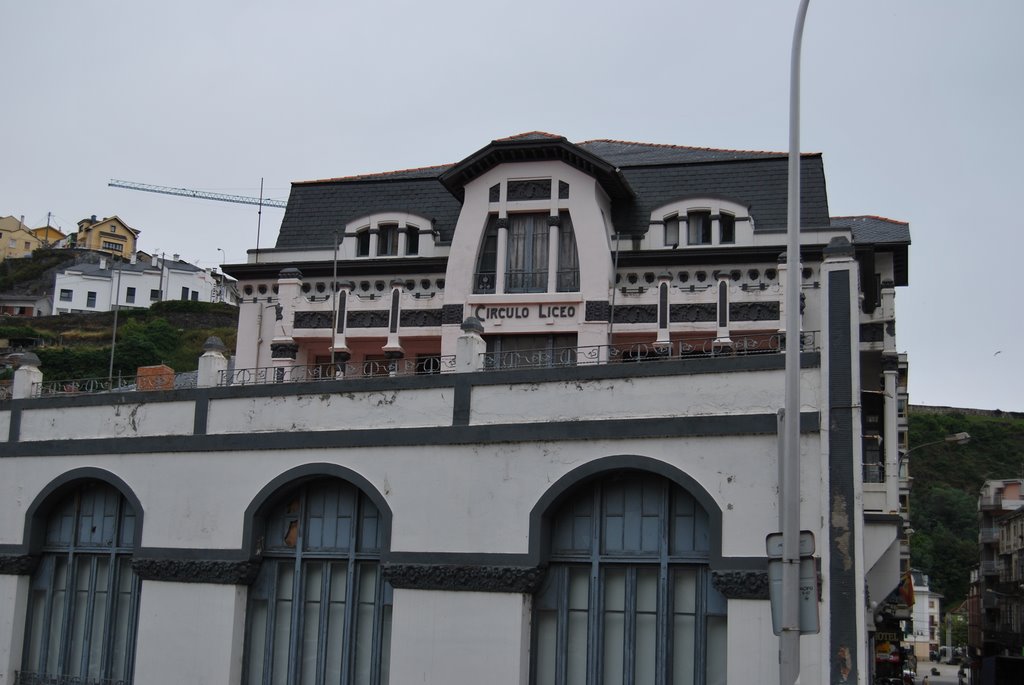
314,319
529,190
371,319
636,313
754,311
524,579
283,350
690,313
418,318
451,314
741,584
197,571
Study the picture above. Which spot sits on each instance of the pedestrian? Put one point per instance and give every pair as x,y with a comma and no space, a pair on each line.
925,681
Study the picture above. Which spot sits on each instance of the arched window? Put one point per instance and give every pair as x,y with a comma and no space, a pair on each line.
84,599
319,611
627,598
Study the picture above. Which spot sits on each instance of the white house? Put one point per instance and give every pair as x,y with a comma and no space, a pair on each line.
98,286
523,430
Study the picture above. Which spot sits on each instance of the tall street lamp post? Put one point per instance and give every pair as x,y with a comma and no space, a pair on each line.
789,463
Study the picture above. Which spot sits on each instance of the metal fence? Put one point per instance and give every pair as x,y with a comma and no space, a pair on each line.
83,386
371,368
29,678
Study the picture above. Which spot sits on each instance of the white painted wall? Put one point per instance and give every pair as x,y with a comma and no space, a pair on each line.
459,638
190,633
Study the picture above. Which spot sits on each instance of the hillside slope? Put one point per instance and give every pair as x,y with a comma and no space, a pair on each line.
947,481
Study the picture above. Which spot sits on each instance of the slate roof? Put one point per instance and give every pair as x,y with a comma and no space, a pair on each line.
93,269
876,230
656,174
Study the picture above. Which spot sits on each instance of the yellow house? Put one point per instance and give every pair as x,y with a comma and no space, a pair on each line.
110,235
49,236
16,240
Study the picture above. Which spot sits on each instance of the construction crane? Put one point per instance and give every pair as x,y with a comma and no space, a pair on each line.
199,194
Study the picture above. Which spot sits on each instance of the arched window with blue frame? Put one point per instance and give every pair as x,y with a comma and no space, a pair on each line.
627,598
84,598
319,610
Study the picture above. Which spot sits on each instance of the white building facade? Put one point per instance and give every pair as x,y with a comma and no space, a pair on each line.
522,430
98,286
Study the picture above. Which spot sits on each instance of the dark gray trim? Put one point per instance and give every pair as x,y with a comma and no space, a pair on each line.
14,423
618,429
874,517
462,403
201,415
842,498
735,584
465,578
598,310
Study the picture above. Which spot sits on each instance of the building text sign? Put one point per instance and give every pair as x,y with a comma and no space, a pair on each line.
534,312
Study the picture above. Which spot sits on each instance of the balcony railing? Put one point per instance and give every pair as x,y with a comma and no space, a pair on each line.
988,535
311,373
989,568
87,386
736,345
988,502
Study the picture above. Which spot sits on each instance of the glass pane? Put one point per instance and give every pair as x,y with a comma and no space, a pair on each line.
547,638
717,637
684,597
614,625
99,617
385,645
310,622
646,648
126,585
282,621
579,600
336,621
683,649
364,622
647,590
83,576
614,637
60,580
257,640
37,615
579,588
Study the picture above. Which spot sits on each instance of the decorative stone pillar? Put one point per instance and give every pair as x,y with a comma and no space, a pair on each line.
403,239
554,222
471,347
27,377
213,365
500,257
722,339
283,349
393,347
888,297
338,344
663,344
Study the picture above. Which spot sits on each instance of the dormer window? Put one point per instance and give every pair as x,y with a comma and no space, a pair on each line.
726,228
387,240
363,243
698,227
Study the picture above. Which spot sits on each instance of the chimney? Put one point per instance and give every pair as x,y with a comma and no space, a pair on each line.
103,263
93,218
175,257
135,257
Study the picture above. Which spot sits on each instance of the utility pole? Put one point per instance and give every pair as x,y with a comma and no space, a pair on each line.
113,336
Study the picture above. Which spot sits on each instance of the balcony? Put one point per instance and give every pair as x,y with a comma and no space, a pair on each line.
987,536
991,502
989,568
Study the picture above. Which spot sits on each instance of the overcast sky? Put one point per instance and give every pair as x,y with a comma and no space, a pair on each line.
915,104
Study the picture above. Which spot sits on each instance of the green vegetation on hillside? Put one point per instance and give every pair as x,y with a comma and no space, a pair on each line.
15,271
171,333
947,483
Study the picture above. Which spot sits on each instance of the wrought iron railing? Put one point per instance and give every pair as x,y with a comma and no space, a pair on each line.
311,373
87,386
5,391
29,678
736,345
